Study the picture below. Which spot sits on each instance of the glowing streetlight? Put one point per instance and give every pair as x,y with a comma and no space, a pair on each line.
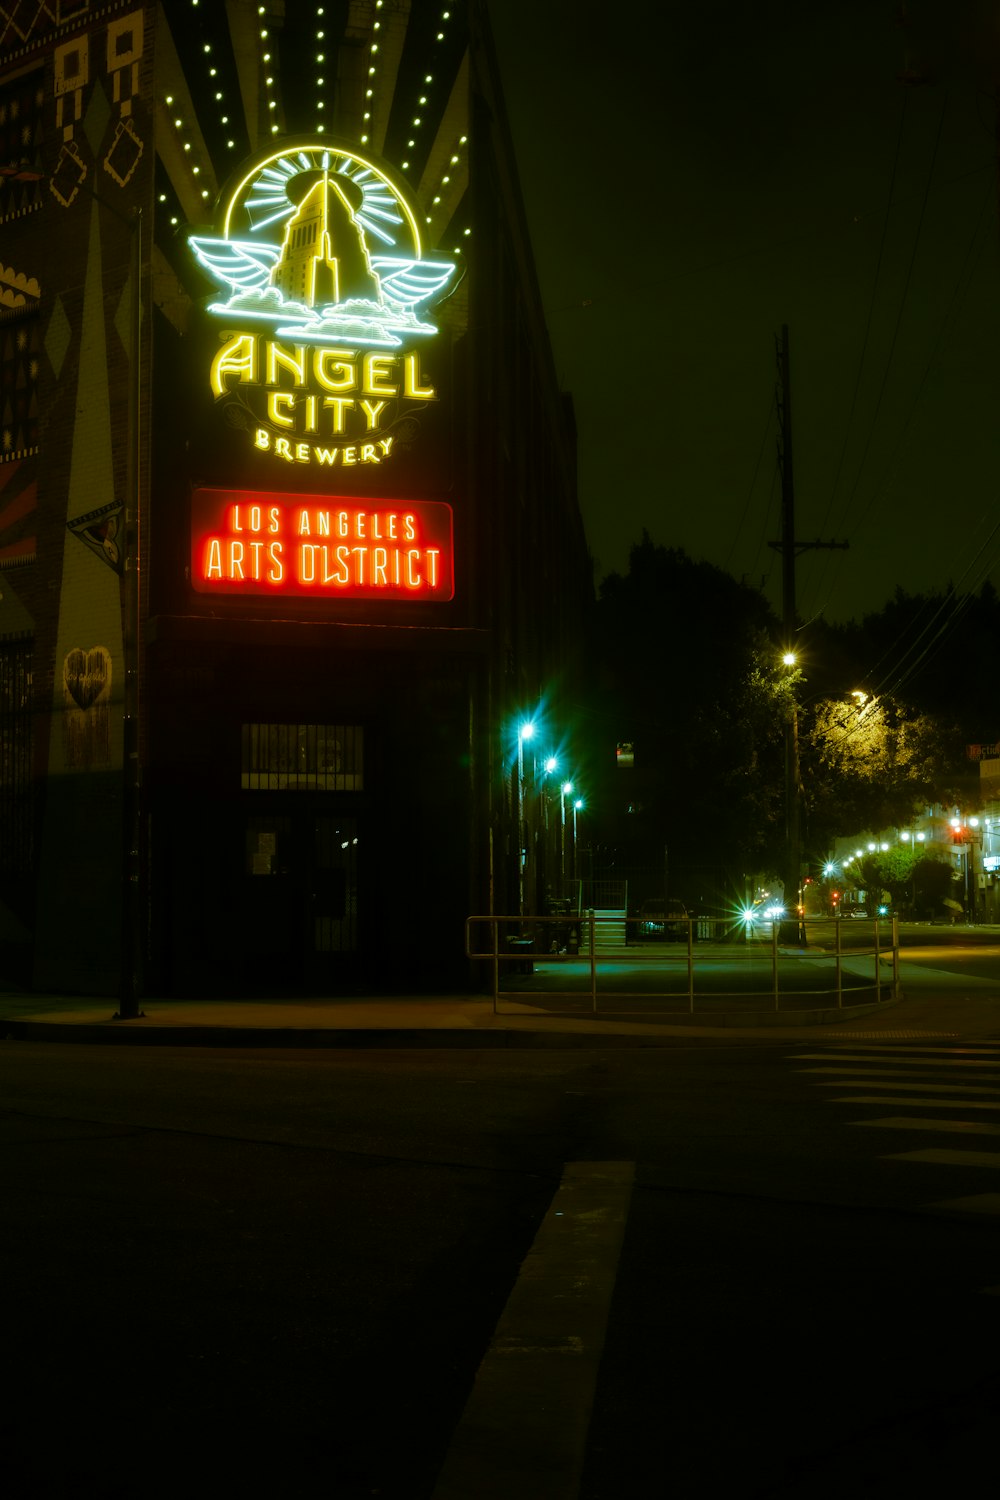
793,930
567,789
526,731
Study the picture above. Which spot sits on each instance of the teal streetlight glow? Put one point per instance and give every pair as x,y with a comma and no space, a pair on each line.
526,731
567,788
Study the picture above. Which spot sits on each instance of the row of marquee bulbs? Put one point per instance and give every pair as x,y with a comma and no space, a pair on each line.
272,103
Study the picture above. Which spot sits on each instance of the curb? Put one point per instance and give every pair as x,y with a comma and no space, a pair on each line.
145,1032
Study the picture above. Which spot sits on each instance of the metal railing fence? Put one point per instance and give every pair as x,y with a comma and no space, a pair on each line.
551,955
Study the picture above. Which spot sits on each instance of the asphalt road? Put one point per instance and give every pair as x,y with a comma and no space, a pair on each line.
245,1270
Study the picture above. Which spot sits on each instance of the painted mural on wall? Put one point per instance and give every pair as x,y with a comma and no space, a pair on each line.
86,680
98,168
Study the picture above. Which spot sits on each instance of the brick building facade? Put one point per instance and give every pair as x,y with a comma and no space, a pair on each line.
212,778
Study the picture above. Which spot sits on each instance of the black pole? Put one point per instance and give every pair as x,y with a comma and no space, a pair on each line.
792,929
131,554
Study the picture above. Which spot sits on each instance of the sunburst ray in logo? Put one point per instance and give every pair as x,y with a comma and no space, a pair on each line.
321,280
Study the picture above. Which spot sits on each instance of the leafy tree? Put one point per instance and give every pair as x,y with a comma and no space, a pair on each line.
685,679
870,764
884,872
933,885
687,674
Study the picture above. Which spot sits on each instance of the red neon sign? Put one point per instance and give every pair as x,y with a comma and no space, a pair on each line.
320,546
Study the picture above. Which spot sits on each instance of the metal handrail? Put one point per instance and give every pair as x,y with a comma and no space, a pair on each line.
519,943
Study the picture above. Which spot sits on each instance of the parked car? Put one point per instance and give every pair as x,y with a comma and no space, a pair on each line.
663,919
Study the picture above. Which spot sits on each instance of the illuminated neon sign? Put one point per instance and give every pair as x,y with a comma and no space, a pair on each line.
320,546
324,337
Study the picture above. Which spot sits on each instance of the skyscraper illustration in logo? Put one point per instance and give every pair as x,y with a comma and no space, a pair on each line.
319,243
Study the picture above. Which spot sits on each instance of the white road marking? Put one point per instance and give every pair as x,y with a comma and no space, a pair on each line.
916,1103
979,1203
912,1122
857,1072
940,1156
930,1088
524,1429
982,1049
925,1062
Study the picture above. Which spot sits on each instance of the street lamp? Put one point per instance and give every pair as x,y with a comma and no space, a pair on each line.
526,731
567,788
577,805
792,927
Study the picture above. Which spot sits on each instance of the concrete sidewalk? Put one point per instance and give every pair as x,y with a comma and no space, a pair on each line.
468,1021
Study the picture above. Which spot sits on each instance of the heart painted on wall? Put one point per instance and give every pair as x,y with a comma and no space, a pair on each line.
87,675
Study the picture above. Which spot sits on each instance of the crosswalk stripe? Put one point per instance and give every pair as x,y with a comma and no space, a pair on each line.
930,1088
921,1103
878,1048
912,1122
979,1203
856,1072
941,1156
925,1062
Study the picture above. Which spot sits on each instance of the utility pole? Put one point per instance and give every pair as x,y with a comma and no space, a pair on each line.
792,930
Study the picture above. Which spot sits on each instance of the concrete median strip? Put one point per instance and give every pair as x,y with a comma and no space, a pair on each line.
524,1428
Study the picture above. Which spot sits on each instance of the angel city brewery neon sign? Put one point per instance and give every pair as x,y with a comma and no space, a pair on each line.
320,546
320,251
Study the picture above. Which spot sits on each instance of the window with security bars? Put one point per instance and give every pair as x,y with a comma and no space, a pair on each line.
15,758
306,757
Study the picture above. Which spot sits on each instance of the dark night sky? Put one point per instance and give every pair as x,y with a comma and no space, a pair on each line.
696,176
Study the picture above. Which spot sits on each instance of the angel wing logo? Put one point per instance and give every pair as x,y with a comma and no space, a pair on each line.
323,245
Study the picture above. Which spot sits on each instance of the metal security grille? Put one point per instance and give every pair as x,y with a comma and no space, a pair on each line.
306,757
15,758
